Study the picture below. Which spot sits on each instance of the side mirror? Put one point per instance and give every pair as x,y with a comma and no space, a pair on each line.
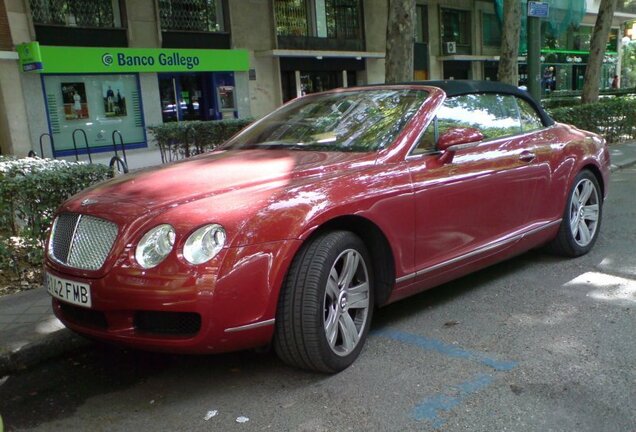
452,139
457,136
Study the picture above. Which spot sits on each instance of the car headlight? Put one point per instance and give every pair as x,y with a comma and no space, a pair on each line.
155,246
204,244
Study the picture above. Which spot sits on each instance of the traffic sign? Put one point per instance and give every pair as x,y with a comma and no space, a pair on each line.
538,9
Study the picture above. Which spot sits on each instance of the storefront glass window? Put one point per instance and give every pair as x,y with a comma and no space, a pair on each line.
188,90
191,15
95,104
77,13
197,96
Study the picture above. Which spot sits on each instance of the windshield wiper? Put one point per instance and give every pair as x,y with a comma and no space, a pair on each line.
276,144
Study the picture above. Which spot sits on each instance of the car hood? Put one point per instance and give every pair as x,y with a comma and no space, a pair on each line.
208,175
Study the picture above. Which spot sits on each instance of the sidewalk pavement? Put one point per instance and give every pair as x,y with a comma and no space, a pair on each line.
30,333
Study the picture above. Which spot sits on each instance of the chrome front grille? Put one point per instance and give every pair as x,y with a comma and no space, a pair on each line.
81,241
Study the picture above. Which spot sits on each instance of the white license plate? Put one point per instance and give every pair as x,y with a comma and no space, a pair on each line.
69,291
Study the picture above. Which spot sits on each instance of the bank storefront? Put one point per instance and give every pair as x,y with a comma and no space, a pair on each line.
88,96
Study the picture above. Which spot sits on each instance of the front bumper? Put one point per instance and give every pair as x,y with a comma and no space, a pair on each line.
227,305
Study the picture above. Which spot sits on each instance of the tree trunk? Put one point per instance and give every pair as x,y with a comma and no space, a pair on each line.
597,50
400,31
508,70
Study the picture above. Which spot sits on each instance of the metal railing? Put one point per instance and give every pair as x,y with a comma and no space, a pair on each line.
116,161
341,19
76,13
34,154
191,15
88,150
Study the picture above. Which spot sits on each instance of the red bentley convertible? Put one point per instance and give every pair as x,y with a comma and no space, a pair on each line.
297,228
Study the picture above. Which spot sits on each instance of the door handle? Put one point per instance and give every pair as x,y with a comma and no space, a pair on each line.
527,156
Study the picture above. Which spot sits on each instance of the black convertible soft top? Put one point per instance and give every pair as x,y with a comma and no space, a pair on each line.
462,87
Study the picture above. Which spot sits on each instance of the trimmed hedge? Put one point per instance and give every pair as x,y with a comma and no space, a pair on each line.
613,118
553,103
31,189
188,138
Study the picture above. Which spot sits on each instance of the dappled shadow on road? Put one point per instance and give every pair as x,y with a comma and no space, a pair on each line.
457,289
56,390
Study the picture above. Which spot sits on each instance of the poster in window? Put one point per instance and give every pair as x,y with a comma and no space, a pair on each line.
75,103
226,97
114,99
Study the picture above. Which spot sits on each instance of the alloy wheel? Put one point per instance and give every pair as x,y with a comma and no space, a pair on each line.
346,304
584,212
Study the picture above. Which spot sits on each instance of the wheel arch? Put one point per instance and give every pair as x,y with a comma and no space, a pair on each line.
598,174
377,244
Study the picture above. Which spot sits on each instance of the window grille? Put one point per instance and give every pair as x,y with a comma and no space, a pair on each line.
76,13
626,6
291,17
191,15
303,17
343,19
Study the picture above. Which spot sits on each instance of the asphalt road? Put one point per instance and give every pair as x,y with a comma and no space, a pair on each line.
538,343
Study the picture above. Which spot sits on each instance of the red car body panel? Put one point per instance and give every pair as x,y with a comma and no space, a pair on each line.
441,220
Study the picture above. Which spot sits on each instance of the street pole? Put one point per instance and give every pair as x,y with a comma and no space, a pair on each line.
533,58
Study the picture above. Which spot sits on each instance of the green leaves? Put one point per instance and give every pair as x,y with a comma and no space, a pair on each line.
613,118
189,138
31,189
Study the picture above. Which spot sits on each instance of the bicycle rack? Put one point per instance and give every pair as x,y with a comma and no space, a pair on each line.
42,144
34,154
121,163
88,150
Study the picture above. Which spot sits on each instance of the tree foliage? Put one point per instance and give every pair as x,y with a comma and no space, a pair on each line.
30,191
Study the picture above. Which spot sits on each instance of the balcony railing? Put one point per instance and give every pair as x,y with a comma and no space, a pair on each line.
626,6
310,25
191,15
76,13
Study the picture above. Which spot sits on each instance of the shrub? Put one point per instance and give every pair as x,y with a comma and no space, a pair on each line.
30,191
188,138
553,103
613,118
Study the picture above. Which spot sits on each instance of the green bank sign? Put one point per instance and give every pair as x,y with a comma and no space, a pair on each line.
55,59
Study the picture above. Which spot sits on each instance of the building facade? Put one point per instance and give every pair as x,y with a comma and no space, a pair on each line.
92,71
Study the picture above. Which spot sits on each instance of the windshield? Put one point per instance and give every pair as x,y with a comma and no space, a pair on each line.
355,121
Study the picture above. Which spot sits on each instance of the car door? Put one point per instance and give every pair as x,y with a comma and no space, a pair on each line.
543,145
480,201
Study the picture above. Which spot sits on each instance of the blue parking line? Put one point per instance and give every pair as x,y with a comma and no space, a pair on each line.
444,348
430,408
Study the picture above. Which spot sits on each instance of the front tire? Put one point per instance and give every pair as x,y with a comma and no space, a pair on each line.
326,303
582,217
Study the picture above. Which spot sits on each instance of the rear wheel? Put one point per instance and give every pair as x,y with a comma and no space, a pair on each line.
582,217
326,304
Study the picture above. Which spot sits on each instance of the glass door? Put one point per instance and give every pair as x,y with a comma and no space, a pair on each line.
183,97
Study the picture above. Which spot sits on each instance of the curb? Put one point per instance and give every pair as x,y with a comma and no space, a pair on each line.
621,165
50,346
